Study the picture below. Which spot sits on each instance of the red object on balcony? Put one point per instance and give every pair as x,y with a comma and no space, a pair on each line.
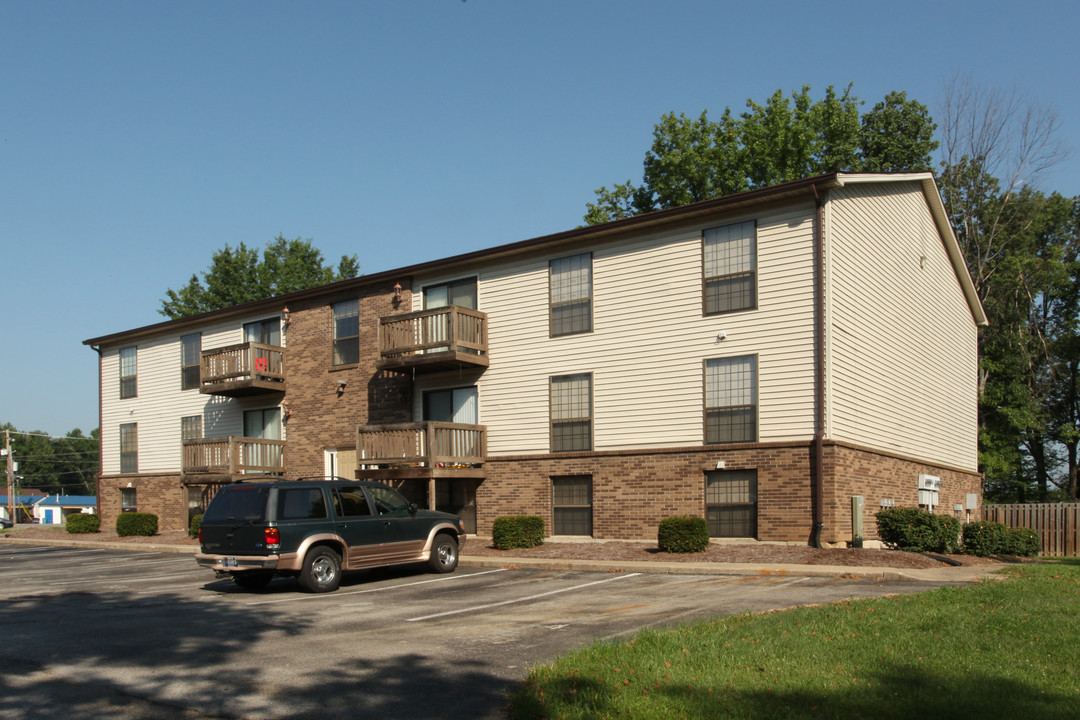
261,364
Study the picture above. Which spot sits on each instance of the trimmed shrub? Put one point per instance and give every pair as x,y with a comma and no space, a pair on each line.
1023,542
78,523
985,538
990,538
142,524
196,523
683,534
915,530
517,531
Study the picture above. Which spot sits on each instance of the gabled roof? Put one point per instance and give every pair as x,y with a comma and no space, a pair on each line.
807,187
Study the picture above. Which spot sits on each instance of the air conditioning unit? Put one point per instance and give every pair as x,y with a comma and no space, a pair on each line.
929,482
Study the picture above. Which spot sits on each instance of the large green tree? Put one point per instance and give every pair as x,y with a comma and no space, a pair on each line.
786,138
238,275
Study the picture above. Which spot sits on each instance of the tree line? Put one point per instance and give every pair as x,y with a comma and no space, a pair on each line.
55,465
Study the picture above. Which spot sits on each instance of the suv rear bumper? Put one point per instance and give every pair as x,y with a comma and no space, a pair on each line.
233,563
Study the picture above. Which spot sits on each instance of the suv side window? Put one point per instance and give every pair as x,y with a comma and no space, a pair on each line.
350,502
301,504
389,502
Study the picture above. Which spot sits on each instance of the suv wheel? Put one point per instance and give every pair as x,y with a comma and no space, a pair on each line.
322,570
444,554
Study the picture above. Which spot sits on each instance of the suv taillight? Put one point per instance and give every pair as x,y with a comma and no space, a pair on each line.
273,538
200,536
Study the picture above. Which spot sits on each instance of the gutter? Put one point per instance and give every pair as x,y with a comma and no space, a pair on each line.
817,473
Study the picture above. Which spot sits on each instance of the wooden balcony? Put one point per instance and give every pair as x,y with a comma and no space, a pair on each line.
446,338
246,369
233,458
420,450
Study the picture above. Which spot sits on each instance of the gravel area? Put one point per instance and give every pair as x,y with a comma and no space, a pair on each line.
617,551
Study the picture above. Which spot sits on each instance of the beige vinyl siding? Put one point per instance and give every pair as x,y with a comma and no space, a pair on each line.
161,403
902,341
650,339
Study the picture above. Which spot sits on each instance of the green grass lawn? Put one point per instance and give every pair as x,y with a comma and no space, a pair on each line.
996,649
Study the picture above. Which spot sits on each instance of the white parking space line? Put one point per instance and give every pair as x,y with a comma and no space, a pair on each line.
475,608
346,593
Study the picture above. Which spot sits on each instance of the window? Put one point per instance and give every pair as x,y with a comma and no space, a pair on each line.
458,405
461,293
267,332
347,332
191,427
571,505
571,413
350,502
129,448
128,372
730,268
731,400
190,348
570,289
301,504
731,503
127,500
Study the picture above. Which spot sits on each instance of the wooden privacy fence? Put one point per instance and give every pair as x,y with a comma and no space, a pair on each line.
1056,524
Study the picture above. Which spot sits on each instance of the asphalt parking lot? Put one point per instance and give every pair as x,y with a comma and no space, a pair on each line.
86,633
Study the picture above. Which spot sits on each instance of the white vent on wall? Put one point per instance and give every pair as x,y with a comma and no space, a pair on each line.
929,482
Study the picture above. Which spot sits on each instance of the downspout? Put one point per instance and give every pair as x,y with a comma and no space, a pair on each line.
101,435
817,474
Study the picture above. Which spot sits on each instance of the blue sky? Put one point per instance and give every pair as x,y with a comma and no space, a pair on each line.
136,138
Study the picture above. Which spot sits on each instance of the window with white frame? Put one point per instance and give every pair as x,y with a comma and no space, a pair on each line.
346,332
570,288
128,372
191,427
731,399
730,268
128,500
571,412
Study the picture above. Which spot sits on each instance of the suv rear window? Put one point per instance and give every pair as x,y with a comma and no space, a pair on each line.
243,503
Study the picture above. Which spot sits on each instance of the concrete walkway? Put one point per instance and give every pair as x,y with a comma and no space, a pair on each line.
945,573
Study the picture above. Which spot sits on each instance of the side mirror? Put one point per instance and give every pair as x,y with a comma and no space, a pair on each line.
412,508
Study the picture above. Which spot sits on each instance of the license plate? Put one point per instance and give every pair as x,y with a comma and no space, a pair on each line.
230,562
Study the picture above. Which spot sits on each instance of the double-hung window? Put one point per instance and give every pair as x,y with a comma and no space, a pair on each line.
570,287
346,332
129,448
730,265
128,372
190,350
731,400
731,503
571,505
571,413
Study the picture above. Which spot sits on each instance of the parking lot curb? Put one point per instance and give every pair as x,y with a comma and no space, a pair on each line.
945,574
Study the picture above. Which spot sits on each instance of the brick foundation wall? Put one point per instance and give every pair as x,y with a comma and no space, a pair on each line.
880,476
160,494
633,491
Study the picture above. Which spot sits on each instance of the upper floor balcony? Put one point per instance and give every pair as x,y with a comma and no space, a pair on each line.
421,450
233,457
445,338
245,369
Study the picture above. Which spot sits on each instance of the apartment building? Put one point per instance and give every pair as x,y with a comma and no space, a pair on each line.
759,360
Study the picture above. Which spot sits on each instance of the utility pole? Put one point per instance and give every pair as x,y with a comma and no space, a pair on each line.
9,475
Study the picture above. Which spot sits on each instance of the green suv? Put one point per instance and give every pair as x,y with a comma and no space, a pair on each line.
314,528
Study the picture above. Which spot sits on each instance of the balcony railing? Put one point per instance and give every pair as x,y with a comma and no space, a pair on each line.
233,456
442,338
243,369
429,445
